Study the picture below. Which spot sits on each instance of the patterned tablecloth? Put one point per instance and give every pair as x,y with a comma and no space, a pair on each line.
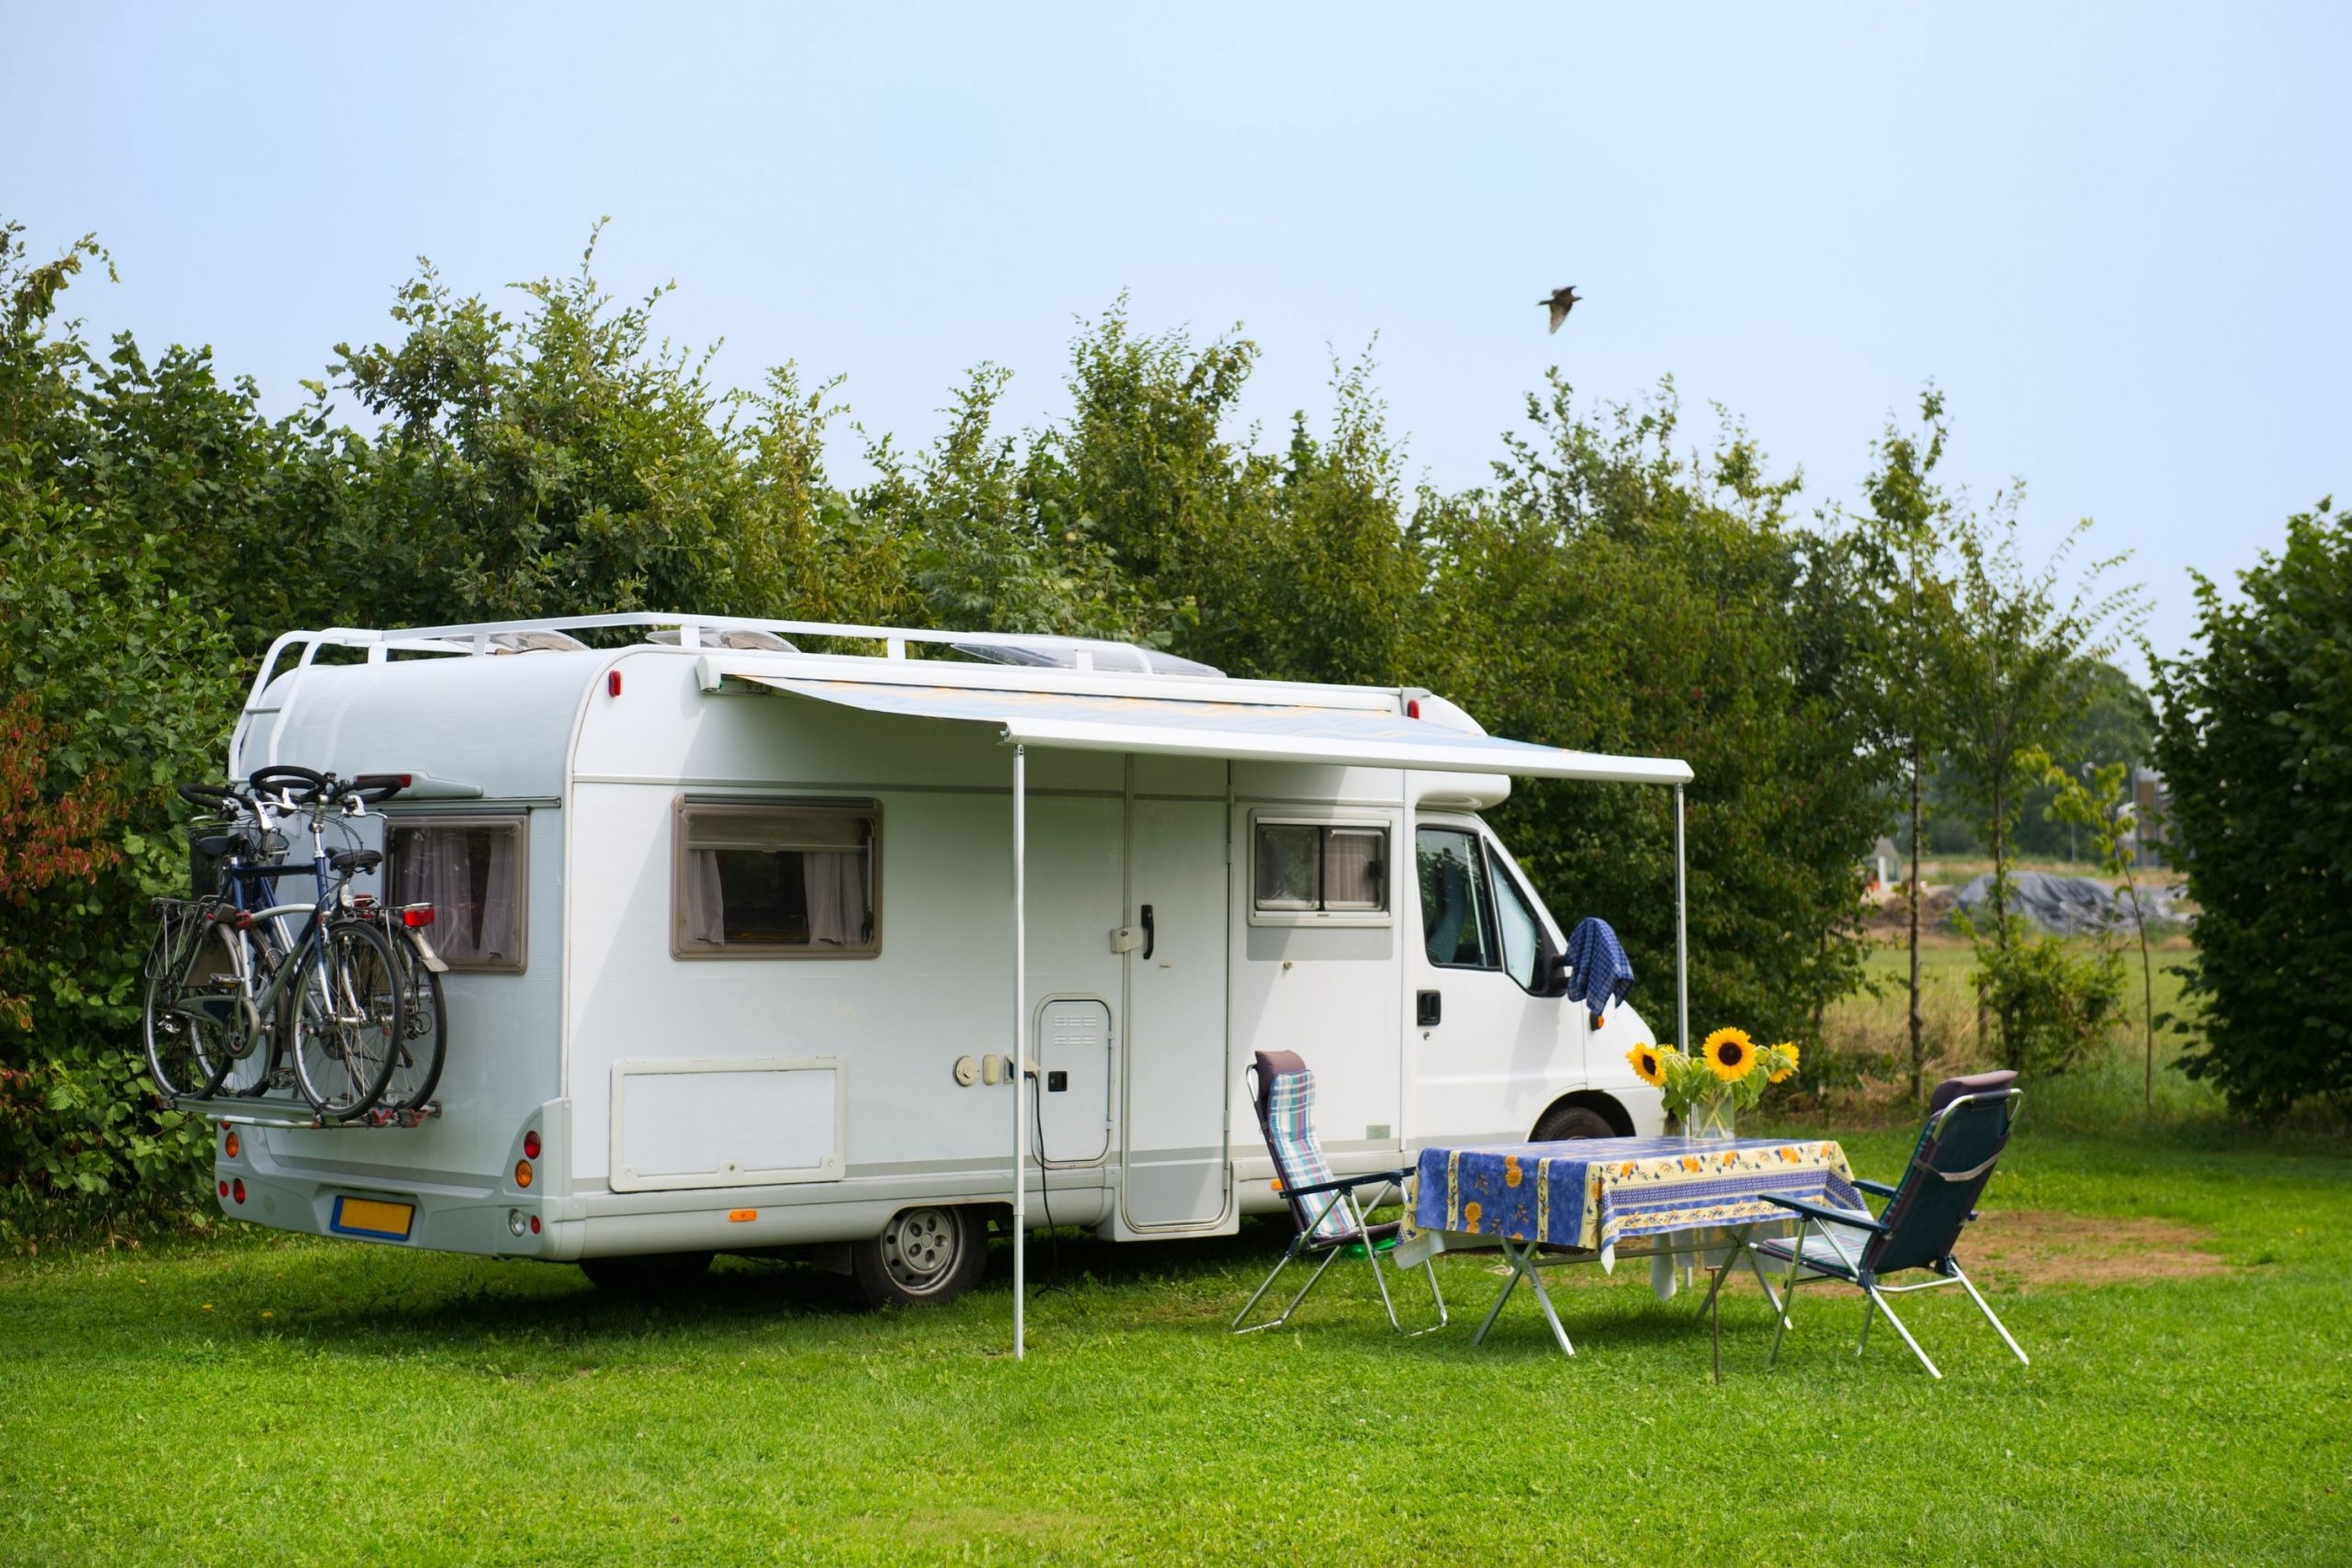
1591,1193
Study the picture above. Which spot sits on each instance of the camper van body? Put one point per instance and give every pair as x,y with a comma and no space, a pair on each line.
616,1088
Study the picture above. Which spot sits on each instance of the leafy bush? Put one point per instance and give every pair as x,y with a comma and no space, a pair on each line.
2255,741
2054,1002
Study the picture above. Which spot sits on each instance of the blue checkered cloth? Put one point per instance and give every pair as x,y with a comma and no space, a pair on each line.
1598,971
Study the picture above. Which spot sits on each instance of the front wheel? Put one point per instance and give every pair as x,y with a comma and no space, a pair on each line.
1566,1122
347,1020
922,1256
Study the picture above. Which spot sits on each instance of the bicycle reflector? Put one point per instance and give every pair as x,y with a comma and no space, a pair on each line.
417,915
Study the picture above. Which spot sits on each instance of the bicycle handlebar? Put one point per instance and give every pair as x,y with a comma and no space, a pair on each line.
211,796
283,776
371,788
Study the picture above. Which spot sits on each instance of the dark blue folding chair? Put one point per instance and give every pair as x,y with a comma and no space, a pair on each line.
1968,1126
1328,1211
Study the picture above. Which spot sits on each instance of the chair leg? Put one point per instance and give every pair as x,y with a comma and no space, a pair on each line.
1372,1257
1288,1259
1430,1267
1970,1286
1884,1307
1789,1292
1867,1312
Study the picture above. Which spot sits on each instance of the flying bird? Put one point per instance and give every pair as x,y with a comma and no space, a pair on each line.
1561,301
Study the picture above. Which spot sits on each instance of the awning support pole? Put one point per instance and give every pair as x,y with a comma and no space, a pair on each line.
1021,1043
1681,937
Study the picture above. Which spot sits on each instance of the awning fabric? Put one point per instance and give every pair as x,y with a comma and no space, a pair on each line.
1252,731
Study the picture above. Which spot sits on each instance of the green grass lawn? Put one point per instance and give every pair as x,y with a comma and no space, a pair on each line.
272,1401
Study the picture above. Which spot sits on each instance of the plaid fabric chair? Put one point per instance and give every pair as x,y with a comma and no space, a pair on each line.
1326,1211
1968,1126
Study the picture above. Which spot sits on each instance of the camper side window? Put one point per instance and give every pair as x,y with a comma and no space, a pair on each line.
1313,871
471,869
754,880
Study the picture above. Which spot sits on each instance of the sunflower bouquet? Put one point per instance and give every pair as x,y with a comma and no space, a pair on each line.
1728,1070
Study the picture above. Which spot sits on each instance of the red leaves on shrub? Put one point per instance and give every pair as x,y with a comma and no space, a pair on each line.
44,840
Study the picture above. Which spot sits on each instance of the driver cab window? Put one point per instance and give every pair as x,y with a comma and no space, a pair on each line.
1474,914
1457,911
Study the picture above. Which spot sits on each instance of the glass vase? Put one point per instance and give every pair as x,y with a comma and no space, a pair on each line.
1709,1118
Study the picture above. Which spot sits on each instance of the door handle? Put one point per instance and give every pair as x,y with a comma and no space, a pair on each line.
1427,1010
1151,938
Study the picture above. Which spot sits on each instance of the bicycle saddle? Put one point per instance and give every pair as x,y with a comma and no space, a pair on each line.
350,861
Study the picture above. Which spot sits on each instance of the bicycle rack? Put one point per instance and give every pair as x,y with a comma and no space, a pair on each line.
286,1113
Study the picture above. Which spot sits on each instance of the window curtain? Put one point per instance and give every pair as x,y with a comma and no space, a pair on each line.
705,898
467,874
834,881
1352,871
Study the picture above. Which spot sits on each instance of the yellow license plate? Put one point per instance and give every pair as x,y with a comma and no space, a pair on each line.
373,1217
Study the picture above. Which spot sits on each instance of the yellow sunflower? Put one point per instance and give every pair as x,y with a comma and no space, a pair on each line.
1647,1065
1730,1054
1787,1052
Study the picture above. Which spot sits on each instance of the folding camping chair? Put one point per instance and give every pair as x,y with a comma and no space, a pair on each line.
1328,1212
1968,1126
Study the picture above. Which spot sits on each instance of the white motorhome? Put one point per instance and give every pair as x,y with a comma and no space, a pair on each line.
741,938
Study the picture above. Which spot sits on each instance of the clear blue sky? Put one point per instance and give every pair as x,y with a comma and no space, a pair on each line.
2116,238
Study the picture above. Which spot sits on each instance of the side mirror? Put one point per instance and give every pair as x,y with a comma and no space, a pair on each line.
1555,974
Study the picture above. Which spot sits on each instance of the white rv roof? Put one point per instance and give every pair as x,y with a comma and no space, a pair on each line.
1260,730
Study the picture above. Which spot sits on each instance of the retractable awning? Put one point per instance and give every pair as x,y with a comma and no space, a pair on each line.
1257,731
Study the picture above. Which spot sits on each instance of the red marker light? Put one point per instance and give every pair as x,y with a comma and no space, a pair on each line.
531,1144
224,1189
1413,708
534,1224
237,1190
612,682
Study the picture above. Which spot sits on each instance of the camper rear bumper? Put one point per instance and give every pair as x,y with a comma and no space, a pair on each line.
436,1216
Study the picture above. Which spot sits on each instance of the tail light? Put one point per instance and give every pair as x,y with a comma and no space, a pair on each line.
224,1189
531,1144
237,1190
417,915
534,1224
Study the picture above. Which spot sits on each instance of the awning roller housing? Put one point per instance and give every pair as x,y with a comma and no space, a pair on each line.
1174,727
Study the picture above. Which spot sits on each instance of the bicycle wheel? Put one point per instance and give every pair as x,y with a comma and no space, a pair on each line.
347,1020
195,1006
417,1063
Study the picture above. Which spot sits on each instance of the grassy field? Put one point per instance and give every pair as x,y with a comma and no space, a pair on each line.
265,1400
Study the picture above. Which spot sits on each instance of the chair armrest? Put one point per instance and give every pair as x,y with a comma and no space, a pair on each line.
1347,1183
1876,1189
1828,1216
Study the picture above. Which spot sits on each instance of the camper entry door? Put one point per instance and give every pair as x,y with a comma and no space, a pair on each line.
1174,1169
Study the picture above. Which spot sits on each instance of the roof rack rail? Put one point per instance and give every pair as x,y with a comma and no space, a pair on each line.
487,639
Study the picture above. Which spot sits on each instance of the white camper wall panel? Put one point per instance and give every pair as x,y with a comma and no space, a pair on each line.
743,1122
939,987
